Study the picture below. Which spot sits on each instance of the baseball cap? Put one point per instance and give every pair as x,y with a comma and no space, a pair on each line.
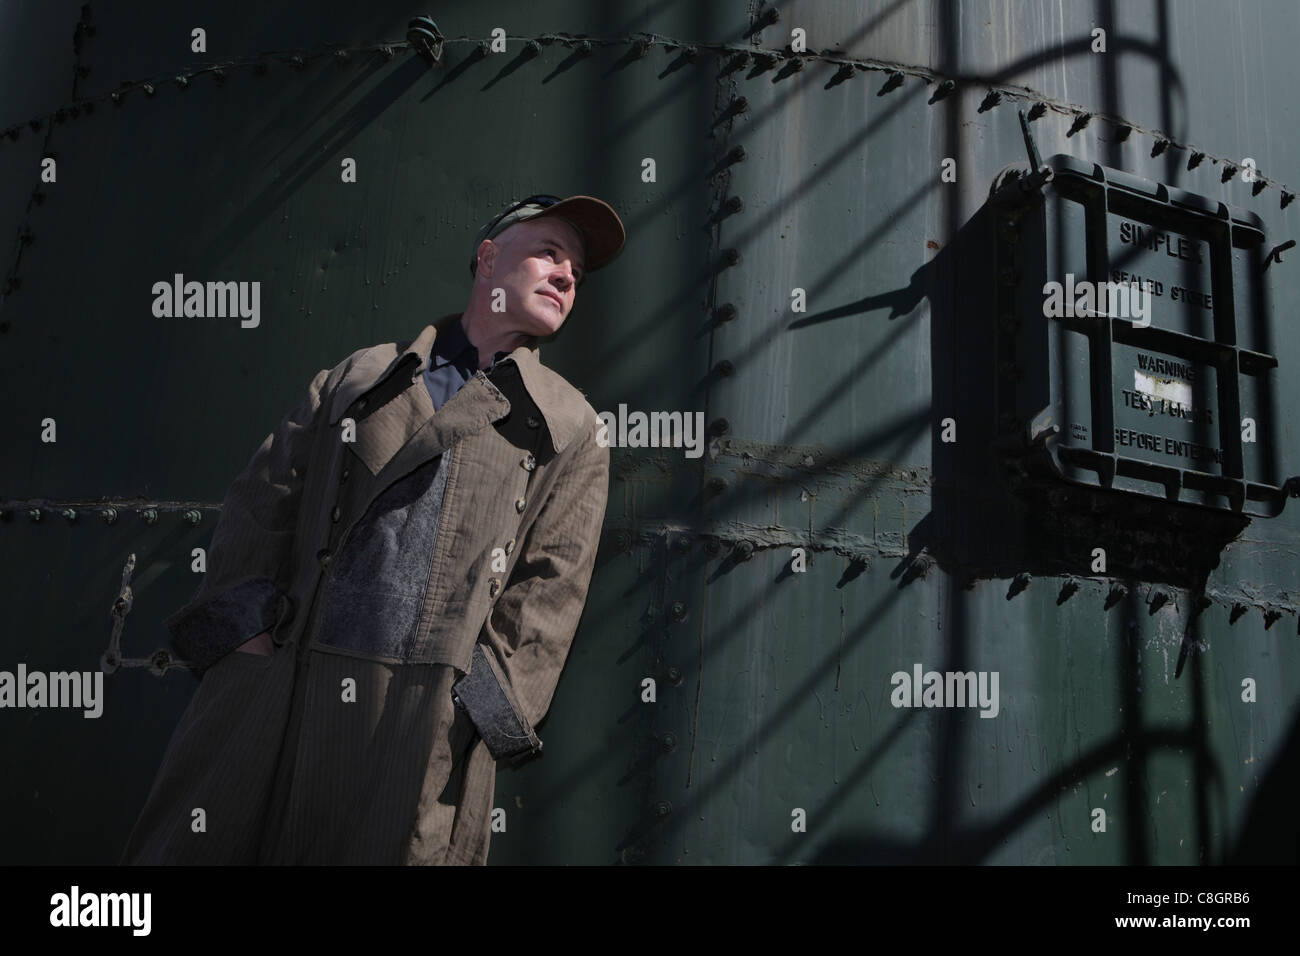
601,229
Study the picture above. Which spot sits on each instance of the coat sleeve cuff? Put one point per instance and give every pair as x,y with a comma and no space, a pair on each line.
206,632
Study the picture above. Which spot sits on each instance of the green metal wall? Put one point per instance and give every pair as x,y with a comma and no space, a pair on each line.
773,687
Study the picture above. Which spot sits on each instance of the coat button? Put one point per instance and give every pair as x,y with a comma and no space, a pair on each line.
361,405
534,422
336,513
510,545
344,476
324,556
519,505
529,462
494,587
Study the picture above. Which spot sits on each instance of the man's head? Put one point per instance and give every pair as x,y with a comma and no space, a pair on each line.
538,264
537,252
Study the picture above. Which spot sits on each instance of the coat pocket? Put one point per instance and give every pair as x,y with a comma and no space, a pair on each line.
488,698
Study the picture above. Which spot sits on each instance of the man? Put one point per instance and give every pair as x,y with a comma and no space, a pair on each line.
394,583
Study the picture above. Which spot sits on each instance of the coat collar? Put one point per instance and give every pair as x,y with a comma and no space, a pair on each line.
560,404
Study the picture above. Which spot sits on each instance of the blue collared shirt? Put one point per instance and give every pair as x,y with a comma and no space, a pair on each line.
452,363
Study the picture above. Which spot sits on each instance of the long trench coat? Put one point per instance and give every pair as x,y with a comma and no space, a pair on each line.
335,750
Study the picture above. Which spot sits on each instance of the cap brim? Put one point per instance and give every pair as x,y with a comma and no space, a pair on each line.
602,230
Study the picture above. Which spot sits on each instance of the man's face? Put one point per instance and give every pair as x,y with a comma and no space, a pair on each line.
538,263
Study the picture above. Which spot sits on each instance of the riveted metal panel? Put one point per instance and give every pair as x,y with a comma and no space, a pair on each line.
1119,688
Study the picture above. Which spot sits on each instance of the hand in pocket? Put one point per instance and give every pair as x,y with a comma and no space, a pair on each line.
261,644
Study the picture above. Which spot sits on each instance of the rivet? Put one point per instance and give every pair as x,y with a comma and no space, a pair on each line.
1158,598
1286,198
668,741
1067,589
735,204
1080,123
34,514
739,105
725,368
583,48
622,540
639,49
678,611
219,75
69,513
690,52
193,517
943,90
713,546
110,515
1195,159
673,675
532,48
150,515
736,154
1159,146
148,88
1229,171
533,422
731,257
765,59
843,73
663,808
683,543
727,312
738,62
991,99
893,82
297,62
183,81
743,551
1238,609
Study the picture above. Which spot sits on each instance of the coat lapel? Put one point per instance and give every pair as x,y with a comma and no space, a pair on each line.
383,392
